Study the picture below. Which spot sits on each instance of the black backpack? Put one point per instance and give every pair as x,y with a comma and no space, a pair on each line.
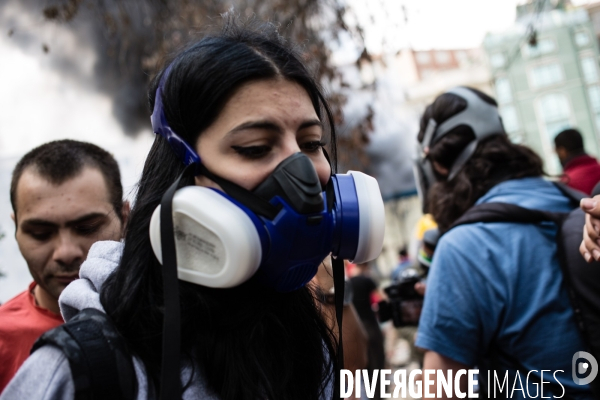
101,365
582,279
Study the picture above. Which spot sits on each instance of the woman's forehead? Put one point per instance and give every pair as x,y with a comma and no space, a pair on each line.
270,98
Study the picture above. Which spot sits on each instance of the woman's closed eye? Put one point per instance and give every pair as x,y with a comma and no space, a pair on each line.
252,151
312,146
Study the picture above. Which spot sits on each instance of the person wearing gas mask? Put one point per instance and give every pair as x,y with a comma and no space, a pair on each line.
495,297
236,209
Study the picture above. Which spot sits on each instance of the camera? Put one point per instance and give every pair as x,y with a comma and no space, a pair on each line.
405,304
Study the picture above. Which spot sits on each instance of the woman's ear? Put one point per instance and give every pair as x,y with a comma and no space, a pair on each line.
440,169
562,153
125,211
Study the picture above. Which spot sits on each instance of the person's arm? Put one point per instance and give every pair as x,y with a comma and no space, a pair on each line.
44,375
590,245
420,288
449,367
463,302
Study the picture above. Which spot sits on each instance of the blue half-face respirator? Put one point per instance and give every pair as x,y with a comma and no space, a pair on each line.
277,233
483,119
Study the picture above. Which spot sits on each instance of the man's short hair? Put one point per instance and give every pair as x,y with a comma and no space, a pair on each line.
569,139
61,160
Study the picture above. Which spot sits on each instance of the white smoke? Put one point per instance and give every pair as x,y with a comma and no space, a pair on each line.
40,103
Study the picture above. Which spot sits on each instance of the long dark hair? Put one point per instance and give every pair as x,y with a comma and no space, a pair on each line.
496,159
249,342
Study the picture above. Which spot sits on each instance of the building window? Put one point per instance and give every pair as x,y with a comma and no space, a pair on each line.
461,56
423,57
594,94
582,38
545,75
503,92
497,60
426,73
543,46
554,110
590,71
595,21
442,57
509,119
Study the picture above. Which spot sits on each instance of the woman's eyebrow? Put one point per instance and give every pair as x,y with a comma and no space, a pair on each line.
312,122
270,126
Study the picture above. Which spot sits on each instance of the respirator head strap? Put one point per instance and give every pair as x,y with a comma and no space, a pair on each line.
483,119
329,188
170,387
338,286
422,168
258,205
428,136
424,177
160,126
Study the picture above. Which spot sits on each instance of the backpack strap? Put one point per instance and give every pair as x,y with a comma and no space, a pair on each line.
572,194
100,363
506,212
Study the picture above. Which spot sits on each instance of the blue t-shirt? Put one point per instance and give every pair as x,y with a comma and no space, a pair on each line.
500,284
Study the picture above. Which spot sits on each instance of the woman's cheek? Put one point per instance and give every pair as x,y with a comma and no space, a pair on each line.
323,170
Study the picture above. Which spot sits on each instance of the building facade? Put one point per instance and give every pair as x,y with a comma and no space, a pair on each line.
545,77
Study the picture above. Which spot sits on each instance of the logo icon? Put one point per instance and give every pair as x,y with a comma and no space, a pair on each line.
590,366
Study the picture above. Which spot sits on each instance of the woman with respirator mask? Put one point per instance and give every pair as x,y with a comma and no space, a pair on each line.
236,209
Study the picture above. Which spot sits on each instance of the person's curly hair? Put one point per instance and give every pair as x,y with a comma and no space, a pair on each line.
496,159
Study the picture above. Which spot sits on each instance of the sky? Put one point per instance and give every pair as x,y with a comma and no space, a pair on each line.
427,24
433,24
38,103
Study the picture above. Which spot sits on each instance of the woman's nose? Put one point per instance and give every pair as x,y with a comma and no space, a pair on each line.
289,147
